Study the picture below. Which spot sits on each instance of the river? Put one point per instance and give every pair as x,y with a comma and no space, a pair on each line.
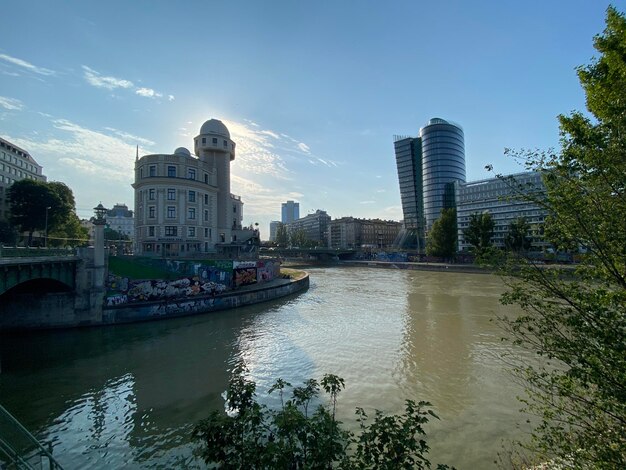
128,395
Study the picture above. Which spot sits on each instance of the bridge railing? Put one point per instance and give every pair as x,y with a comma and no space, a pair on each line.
19,448
29,252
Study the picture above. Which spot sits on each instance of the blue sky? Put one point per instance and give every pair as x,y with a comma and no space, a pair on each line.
312,92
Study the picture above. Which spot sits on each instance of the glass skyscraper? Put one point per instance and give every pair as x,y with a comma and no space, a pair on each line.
428,166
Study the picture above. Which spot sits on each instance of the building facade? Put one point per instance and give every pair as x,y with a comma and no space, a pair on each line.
290,211
353,233
273,229
315,226
15,164
428,167
183,203
500,197
121,219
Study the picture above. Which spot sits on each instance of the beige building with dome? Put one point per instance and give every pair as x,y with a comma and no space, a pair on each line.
183,204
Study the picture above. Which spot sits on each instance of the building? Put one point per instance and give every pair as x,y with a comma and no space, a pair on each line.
501,198
274,224
15,164
290,212
315,226
121,219
428,167
183,203
353,233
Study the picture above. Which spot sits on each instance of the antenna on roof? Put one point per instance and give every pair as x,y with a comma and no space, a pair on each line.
137,154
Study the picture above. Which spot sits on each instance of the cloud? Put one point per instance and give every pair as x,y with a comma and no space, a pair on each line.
367,202
27,65
258,199
381,190
130,137
97,80
110,83
304,147
148,93
11,104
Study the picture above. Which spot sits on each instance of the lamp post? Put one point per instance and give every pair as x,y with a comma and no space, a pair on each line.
45,240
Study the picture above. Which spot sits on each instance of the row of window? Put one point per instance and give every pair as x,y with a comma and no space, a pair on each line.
171,171
214,141
16,161
171,195
174,231
170,213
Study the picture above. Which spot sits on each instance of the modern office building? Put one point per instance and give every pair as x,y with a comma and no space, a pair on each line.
428,167
15,164
121,219
503,199
273,228
290,212
315,226
183,203
353,233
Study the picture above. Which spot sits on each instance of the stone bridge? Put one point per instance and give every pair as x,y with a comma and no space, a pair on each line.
52,274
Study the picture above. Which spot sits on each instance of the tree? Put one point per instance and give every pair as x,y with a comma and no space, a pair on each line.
479,231
517,238
299,436
443,235
29,200
8,234
575,323
298,238
282,236
70,233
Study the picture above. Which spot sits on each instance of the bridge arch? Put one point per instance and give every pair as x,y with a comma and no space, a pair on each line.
21,272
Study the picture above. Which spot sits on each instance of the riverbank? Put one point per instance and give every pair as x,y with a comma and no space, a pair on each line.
439,267
244,295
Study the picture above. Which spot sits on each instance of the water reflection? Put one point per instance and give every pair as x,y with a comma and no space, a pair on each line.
129,395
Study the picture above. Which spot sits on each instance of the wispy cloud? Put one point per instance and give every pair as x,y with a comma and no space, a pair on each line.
260,199
96,79
148,93
130,138
99,81
11,104
304,147
26,65
367,202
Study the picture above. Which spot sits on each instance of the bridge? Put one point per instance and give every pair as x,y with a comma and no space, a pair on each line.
43,273
317,253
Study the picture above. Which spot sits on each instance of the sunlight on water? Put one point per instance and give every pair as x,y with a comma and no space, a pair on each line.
128,396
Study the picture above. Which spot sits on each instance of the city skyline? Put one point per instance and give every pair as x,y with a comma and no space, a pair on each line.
312,94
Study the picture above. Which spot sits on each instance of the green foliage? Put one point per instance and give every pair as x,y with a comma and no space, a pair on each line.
298,238
303,434
70,233
29,200
577,327
442,237
517,238
479,231
8,234
282,236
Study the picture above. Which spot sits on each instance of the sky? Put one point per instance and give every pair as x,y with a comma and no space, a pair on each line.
312,92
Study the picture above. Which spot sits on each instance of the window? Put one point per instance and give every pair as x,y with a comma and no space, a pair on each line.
225,144
171,171
206,233
171,212
152,212
171,231
151,194
192,196
140,172
191,173
206,198
214,140
152,170
206,179
151,231
171,194
191,231
234,209
203,140
191,213
206,215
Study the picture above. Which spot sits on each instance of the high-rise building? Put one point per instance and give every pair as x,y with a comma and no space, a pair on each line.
428,166
315,226
15,164
290,212
183,203
273,229
501,198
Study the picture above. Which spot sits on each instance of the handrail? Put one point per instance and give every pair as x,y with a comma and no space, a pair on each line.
18,431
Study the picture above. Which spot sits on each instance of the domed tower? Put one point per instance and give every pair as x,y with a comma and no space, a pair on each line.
213,146
443,163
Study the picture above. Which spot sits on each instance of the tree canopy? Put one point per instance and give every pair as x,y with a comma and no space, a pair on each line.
575,323
517,238
282,236
479,231
442,238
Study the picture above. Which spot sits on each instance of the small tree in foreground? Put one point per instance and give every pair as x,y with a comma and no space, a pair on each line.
479,231
443,235
300,435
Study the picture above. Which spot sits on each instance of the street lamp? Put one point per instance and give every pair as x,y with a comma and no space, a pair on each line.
45,240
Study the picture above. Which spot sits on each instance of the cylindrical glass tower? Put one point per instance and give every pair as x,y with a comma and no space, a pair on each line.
443,163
